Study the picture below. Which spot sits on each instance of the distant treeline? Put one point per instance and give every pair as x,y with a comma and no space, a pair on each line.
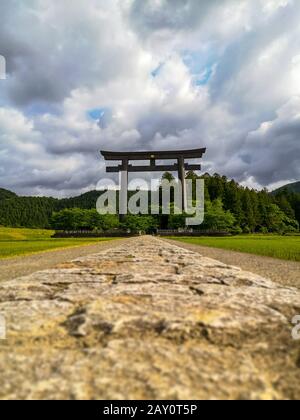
228,207
255,211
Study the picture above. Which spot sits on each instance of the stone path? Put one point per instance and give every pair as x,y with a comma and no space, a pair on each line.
148,320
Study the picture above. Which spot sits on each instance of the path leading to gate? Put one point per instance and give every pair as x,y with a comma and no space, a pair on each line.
280,271
148,320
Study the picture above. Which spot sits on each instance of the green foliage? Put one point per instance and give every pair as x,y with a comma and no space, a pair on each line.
255,211
168,177
279,222
80,219
232,200
138,223
5,194
85,201
176,221
289,203
216,218
31,212
228,206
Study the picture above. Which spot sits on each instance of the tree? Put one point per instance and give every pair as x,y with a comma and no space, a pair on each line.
168,177
294,199
176,221
279,222
253,211
216,186
264,203
232,200
216,218
283,203
80,219
248,222
138,223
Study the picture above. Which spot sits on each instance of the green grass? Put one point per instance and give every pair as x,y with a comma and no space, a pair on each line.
15,242
283,247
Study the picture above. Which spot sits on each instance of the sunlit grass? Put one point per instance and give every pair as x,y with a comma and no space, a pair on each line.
14,242
283,247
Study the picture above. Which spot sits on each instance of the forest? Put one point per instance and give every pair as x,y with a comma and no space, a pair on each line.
229,207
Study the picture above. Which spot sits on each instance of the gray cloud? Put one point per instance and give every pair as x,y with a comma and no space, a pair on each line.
65,59
148,16
52,49
164,124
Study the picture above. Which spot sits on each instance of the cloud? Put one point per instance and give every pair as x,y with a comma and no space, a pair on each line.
137,75
148,16
272,151
27,167
53,47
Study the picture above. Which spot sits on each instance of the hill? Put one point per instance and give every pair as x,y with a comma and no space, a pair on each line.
30,212
5,194
226,202
84,201
294,188
35,212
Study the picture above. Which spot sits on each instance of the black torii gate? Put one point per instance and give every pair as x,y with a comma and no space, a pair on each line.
126,157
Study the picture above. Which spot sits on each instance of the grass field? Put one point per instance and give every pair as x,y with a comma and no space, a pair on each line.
283,247
15,242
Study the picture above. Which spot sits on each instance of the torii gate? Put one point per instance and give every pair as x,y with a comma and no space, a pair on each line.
126,157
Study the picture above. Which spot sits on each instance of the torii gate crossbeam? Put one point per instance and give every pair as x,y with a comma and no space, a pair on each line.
125,167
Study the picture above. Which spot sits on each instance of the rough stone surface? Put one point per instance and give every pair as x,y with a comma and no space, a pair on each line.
148,320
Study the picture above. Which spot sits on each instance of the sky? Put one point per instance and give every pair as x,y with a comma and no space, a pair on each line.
82,76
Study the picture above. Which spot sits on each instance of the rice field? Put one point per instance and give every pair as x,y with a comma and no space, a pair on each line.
282,247
14,242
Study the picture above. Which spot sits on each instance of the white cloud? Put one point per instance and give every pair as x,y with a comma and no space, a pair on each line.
271,6
170,74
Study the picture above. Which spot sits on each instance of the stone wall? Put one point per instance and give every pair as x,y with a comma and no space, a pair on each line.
148,320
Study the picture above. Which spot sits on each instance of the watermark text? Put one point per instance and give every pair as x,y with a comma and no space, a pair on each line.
171,197
2,68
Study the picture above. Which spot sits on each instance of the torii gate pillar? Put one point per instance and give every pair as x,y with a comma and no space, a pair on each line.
181,167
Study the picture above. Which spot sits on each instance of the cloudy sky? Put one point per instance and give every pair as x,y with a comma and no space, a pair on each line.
148,74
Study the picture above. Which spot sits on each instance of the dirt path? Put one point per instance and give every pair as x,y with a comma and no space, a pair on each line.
284,272
12,268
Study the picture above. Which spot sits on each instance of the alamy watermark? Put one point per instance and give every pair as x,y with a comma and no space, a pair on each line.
2,327
2,68
296,329
147,198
